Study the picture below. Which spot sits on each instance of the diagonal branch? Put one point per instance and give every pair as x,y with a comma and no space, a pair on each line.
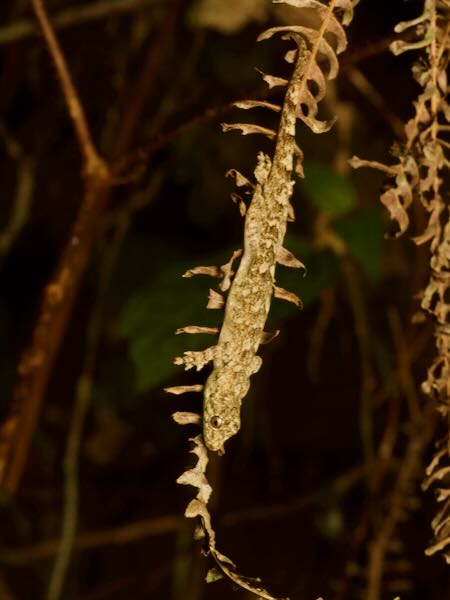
92,161
59,296
37,361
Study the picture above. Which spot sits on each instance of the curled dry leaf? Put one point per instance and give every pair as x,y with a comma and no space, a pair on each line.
240,202
183,389
186,418
247,104
268,336
249,129
239,179
273,81
283,294
193,329
211,271
287,259
418,176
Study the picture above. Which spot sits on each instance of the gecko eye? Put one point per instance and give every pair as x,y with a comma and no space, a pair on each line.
216,422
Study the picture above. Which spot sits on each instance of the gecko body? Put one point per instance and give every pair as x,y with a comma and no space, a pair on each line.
235,356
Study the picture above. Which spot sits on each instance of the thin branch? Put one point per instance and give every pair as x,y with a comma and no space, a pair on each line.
405,374
84,389
370,92
92,161
144,86
128,162
74,16
168,524
60,294
37,361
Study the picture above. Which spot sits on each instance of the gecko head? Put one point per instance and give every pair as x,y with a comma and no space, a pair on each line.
221,415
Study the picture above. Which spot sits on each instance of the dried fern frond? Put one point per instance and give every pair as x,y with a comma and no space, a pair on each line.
418,176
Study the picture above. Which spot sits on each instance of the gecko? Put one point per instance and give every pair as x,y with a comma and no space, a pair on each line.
235,357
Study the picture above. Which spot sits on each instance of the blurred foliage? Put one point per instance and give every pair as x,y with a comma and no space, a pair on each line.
327,190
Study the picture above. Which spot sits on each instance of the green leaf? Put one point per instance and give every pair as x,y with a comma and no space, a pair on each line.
363,234
153,312
327,190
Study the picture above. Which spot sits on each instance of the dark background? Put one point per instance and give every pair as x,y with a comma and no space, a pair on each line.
304,490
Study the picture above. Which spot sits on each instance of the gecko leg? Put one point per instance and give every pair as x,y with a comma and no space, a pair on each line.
196,359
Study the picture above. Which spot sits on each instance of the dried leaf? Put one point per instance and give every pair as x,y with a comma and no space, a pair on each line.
249,129
240,180
271,80
212,271
197,329
213,575
247,104
186,418
240,202
287,259
345,5
268,336
283,294
182,389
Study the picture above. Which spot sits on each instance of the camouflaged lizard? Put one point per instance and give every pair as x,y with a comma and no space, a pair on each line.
235,355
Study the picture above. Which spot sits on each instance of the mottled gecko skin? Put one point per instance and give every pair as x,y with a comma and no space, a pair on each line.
250,295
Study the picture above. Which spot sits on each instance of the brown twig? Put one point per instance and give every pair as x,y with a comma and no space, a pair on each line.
141,154
92,162
144,85
59,296
362,84
325,237
405,375
37,361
